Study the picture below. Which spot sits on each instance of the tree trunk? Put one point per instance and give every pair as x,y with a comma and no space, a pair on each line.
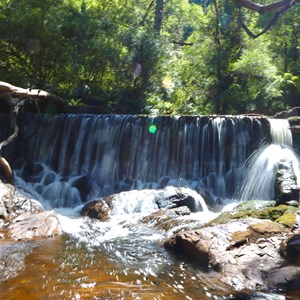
158,15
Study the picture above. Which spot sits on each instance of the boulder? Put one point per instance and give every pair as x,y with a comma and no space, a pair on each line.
84,185
97,209
286,186
138,201
28,226
292,249
251,247
242,252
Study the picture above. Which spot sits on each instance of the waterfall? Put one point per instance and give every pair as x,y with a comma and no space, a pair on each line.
263,164
77,158
280,132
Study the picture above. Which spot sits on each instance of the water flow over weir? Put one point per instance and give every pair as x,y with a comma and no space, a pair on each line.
263,164
71,159
76,158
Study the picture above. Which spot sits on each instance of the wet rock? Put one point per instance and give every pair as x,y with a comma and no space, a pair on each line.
293,249
283,214
28,226
167,219
32,172
7,193
243,252
286,187
49,178
286,278
137,201
97,209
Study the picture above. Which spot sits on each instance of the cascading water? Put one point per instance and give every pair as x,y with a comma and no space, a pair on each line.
263,164
77,158
69,159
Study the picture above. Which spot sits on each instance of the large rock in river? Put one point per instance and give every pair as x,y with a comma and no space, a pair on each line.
28,226
246,252
146,201
286,185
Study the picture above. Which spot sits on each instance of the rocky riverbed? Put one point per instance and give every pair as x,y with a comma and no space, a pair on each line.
255,246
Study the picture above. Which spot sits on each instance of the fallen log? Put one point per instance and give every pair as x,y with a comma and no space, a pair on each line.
15,97
34,94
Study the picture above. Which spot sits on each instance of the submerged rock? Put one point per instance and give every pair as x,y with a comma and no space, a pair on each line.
12,258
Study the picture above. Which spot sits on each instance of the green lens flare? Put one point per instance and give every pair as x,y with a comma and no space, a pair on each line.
152,128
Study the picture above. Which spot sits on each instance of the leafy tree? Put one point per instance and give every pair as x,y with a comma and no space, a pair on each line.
157,56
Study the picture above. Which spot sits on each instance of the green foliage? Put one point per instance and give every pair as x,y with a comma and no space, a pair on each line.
201,62
75,102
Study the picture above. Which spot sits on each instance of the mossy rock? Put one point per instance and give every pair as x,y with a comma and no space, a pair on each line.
283,214
272,213
288,219
255,204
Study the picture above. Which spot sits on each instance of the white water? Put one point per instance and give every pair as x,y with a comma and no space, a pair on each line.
262,165
261,171
280,132
94,156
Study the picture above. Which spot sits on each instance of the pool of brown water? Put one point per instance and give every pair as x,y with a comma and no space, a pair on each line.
60,269
129,265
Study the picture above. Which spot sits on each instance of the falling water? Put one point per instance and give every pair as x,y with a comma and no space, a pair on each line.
66,160
262,165
280,132
77,158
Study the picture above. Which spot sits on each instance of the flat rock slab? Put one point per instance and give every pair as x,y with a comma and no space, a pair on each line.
29,226
245,253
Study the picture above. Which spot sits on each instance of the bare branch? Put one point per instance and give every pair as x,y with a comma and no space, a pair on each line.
146,13
13,120
272,7
182,43
269,25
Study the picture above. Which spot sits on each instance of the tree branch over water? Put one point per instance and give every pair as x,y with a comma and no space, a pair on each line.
36,94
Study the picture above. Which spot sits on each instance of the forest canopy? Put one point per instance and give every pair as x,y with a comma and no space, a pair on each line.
156,56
